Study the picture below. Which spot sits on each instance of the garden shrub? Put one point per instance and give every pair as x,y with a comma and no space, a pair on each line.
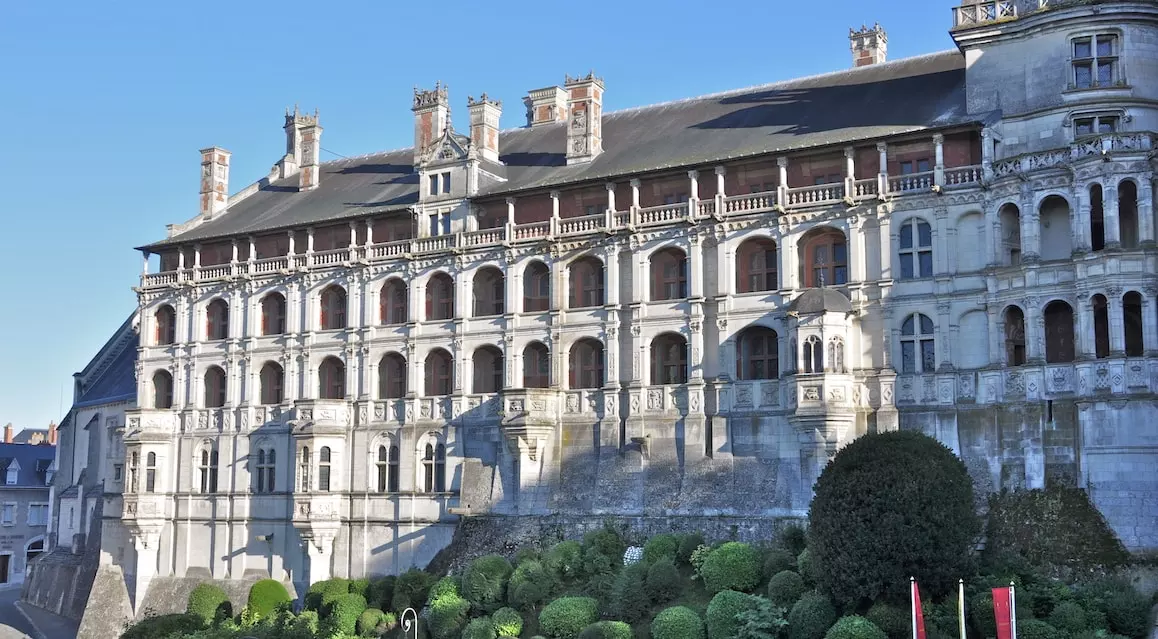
1035,629
793,539
688,545
265,596
1127,612
480,628
526,553
894,621
305,625
410,590
607,630
785,588
663,580
320,589
447,615
660,546
722,615
448,585
360,586
507,622
630,600
566,617
565,560
811,617
854,627
530,584
345,611
733,566
164,625
369,621
381,591
484,583
761,621
1069,617
699,556
777,560
208,602
599,586
902,486
678,622
806,567
602,550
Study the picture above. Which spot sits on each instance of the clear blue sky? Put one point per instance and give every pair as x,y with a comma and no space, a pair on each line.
105,106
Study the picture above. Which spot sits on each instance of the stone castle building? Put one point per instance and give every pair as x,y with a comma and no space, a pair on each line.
673,312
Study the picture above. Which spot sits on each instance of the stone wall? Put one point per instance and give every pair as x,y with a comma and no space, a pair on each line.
60,581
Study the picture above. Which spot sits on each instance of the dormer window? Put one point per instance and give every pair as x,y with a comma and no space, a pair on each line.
13,471
1095,61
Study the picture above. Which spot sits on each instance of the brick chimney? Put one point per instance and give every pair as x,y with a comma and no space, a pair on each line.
51,433
584,118
431,117
484,126
309,173
214,181
869,46
8,433
545,106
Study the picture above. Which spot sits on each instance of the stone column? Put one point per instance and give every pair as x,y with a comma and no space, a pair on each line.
720,173
993,236
987,153
560,297
884,221
1117,322
945,337
856,253
695,266
510,224
146,545
996,346
1080,219
849,171
1145,212
609,218
319,549
611,275
939,159
635,184
1111,220
414,373
1030,228
1085,344
883,169
1149,329
693,194
144,264
554,213
726,271
941,246
782,181
1034,329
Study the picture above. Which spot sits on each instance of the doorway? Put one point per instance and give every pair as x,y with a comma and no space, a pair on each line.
4,559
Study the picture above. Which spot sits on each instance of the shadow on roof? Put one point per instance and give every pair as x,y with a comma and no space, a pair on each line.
534,159
377,168
402,200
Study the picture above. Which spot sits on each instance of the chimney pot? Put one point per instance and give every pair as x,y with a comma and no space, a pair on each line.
546,106
8,433
214,181
431,118
584,118
484,126
870,45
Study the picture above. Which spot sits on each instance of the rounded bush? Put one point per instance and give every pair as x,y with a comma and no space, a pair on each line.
446,615
630,600
607,630
566,617
688,545
265,596
811,617
345,611
722,610
894,621
602,550
733,566
1127,611
1035,629
778,560
530,584
663,580
480,628
484,584
793,539
678,622
368,622
448,585
785,588
660,546
410,590
526,553
806,566
381,592
565,560
902,486
1069,617
507,622
854,627
360,586
208,601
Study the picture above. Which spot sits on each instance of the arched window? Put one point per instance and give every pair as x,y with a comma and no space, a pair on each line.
1014,336
1132,319
392,376
273,314
586,275
586,365
1059,332
333,311
214,387
1010,218
217,320
756,267
1097,218
488,370
1056,240
266,470
134,470
825,258
304,470
488,292
393,301
434,468
759,354
669,359
1128,213
208,470
151,472
1101,326
669,274
917,352
536,366
387,469
536,288
33,550
439,374
272,384
812,355
836,356
916,249
324,459
162,389
331,379
166,320
439,297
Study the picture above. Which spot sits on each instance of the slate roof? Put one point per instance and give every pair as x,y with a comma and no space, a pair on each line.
820,300
111,375
34,461
893,98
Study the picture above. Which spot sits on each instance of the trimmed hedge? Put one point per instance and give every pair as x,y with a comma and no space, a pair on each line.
208,602
265,596
663,580
526,553
1069,617
794,539
732,566
806,566
660,546
484,583
360,586
785,588
345,611
447,615
854,627
679,622
565,560
164,625
602,551
893,620
507,622
566,617
722,611
811,617
530,584
607,630
369,620
410,590
1034,629
480,628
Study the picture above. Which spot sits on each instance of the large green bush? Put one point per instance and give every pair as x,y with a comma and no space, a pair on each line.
811,617
480,628
381,592
806,566
323,593
630,600
448,585
732,566
369,622
762,621
777,560
164,626
410,590
447,615
360,586
565,560
903,487
688,545
566,617
607,630
660,546
1068,617
722,613
208,602
894,621
265,596
678,622
508,622
1034,629
305,625
793,538
1127,611
345,610
602,550
484,583
527,553
530,585
663,580
785,588
854,627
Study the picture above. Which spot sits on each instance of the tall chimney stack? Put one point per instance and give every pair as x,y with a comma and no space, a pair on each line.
484,126
584,118
51,433
545,106
431,117
869,46
8,433
214,181
309,173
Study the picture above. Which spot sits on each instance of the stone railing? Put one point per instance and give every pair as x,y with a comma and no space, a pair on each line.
977,12
912,183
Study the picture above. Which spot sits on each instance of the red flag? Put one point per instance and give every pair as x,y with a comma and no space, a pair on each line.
918,614
1004,613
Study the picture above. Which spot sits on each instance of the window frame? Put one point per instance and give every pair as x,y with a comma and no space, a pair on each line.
587,282
165,318
669,274
915,336
1094,60
536,287
266,470
215,396
830,240
388,386
217,320
393,311
586,365
438,379
325,469
539,355
332,378
669,362
915,252
273,320
440,297
332,308
488,288
493,377
750,270
812,354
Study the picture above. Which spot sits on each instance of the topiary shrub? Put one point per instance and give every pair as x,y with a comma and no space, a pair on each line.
1069,617
688,545
602,550
663,580
785,588
777,560
854,627
265,596
732,566
565,560
369,621
360,586
660,546
507,622
209,602
446,615
599,587
165,625
530,585
806,566
723,611
630,600
1127,611
762,621
480,628
448,585
566,617
678,622
410,590
793,538
902,486
894,621
1034,629
345,611
526,553
381,592
607,630
305,625
811,617
484,583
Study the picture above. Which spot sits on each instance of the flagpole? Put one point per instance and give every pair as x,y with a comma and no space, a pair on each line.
1012,612
961,607
913,605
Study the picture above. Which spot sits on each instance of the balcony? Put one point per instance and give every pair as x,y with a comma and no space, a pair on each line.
1104,145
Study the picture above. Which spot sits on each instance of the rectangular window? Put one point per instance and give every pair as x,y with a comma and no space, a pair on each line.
8,515
10,477
1095,61
118,469
592,209
834,178
1095,125
446,182
922,165
675,198
324,478
434,185
37,514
